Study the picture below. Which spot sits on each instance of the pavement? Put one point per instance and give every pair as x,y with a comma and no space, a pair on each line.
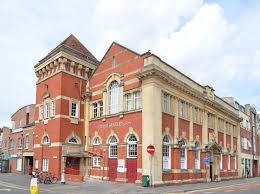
19,184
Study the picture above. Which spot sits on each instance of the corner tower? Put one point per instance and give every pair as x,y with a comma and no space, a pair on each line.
59,114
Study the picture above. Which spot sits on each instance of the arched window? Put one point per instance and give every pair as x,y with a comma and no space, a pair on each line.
112,147
73,140
132,146
96,141
166,153
114,97
45,140
183,154
197,155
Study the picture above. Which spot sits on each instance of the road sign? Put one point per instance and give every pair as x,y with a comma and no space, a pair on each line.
150,149
207,160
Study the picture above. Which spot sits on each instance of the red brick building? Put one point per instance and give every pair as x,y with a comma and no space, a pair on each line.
17,144
59,115
134,100
97,118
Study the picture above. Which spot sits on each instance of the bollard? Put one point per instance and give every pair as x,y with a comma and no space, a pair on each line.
34,187
62,181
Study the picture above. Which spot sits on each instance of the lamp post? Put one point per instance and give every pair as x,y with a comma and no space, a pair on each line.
22,141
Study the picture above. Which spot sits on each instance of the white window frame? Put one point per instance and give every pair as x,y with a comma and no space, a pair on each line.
41,112
166,153
112,147
132,144
27,141
95,110
96,141
128,102
76,114
96,161
197,160
101,108
72,142
52,108
43,140
46,110
45,165
183,160
19,164
137,101
114,98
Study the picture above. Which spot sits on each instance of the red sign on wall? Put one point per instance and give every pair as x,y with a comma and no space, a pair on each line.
150,149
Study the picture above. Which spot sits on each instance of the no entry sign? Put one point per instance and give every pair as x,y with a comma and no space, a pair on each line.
150,149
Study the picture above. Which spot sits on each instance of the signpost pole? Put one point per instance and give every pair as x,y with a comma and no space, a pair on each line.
151,173
150,150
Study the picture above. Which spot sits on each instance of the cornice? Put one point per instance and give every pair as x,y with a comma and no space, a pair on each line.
153,70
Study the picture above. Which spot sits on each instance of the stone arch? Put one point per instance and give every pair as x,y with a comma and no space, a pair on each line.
113,77
112,133
45,134
96,136
167,132
73,135
130,132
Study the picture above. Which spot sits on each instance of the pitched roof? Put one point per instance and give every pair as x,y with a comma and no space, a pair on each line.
73,45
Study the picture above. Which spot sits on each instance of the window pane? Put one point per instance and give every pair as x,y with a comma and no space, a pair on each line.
114,97
137,99
101,108
74,109
128,102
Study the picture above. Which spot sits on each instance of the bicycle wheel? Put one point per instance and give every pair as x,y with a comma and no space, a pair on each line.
54,180
47,180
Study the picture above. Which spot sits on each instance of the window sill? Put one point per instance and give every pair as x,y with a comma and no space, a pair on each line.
184,170
135,157
168,113
96,166
196,170
184,118
197,123
74,120
167,171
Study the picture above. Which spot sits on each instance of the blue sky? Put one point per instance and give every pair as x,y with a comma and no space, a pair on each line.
216,43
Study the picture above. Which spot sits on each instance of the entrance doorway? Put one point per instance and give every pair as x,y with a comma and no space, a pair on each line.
211,171
112,169
72,166
131,165
28,165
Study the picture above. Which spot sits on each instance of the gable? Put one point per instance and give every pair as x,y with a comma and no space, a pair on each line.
126,61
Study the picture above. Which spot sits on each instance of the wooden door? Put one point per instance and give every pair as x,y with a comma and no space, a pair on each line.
131,166
112,169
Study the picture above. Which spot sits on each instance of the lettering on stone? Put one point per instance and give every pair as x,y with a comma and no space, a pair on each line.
114,124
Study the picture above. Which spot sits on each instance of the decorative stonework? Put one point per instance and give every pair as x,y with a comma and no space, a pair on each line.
62,64
73,135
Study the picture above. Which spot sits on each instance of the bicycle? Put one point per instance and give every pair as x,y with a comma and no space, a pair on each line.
38,175
50,179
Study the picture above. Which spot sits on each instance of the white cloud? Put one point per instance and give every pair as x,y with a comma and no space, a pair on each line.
137,22
193,36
